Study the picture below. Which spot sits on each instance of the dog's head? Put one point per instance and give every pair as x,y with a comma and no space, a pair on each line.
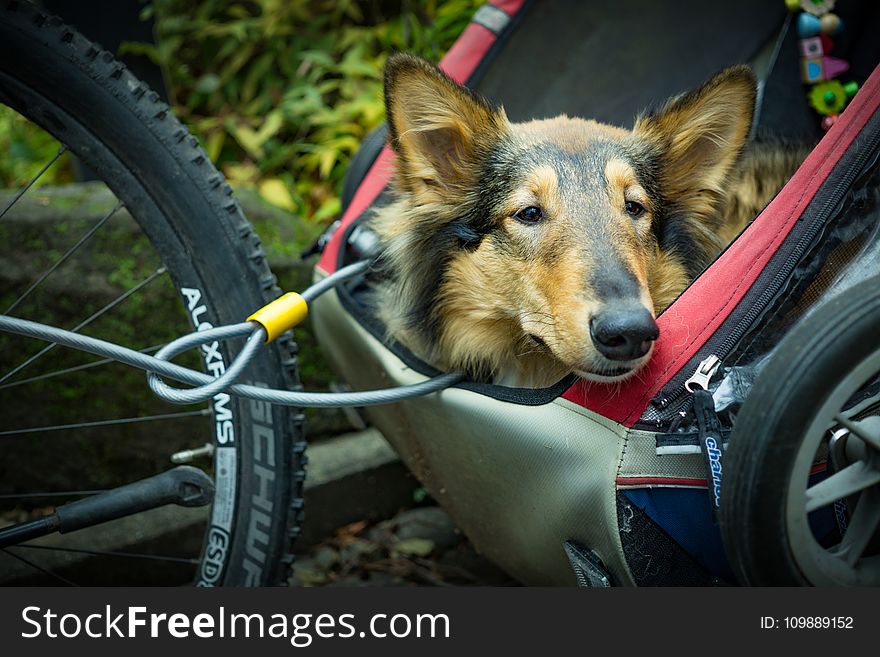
564,236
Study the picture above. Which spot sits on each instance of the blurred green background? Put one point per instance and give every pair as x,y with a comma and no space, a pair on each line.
280,92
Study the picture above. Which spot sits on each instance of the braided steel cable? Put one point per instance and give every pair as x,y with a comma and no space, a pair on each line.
207,386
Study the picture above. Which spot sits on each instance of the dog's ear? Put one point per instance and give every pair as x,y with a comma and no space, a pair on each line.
439,130
699,137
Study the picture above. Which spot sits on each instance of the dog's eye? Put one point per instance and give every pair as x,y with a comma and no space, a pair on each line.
634,209
530,215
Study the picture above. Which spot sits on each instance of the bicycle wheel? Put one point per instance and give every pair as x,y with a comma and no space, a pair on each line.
819,395
58,79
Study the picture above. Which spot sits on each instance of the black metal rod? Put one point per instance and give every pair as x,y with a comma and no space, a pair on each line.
25,531
183,485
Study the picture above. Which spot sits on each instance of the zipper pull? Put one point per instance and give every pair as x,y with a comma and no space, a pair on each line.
709,428
705,371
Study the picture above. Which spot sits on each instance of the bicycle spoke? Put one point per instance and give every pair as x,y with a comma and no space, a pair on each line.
867,429
110,553
861,527
85,238
38,567
118,300
107,423
76,368
33,180
852,479
62,493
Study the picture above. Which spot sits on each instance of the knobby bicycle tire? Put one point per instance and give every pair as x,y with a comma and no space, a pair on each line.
78,92
810,364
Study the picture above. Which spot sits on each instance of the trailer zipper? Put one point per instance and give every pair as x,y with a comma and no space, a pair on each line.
671,399
709,429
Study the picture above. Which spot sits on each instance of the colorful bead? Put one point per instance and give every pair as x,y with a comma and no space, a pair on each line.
830,24
828,98
828,121
807,25
817,7
811,70
834,67
811,47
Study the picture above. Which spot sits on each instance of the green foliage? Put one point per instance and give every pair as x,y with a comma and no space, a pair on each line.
24,150
282,93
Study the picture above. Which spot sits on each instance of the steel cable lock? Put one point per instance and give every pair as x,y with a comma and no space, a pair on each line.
261,328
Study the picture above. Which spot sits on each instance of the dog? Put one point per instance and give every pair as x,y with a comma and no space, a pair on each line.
522,252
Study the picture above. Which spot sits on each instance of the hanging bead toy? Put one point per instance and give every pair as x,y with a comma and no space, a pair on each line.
816,26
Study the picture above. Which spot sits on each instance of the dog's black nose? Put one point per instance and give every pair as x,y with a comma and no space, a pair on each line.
624,333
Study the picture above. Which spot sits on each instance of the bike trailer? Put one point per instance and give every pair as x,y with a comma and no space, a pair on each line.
656,481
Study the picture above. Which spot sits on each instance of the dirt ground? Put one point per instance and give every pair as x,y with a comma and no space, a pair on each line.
417,547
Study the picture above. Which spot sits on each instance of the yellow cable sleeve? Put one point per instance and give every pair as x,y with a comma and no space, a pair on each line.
282,314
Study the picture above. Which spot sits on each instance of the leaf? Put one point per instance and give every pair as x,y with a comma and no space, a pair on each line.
275,192
242,173
248,140
137,48
419,547
208,84
215,144
310,577
329,208
270,126
326,161
256,76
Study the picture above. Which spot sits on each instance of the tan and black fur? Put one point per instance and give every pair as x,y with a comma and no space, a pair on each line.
472,278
